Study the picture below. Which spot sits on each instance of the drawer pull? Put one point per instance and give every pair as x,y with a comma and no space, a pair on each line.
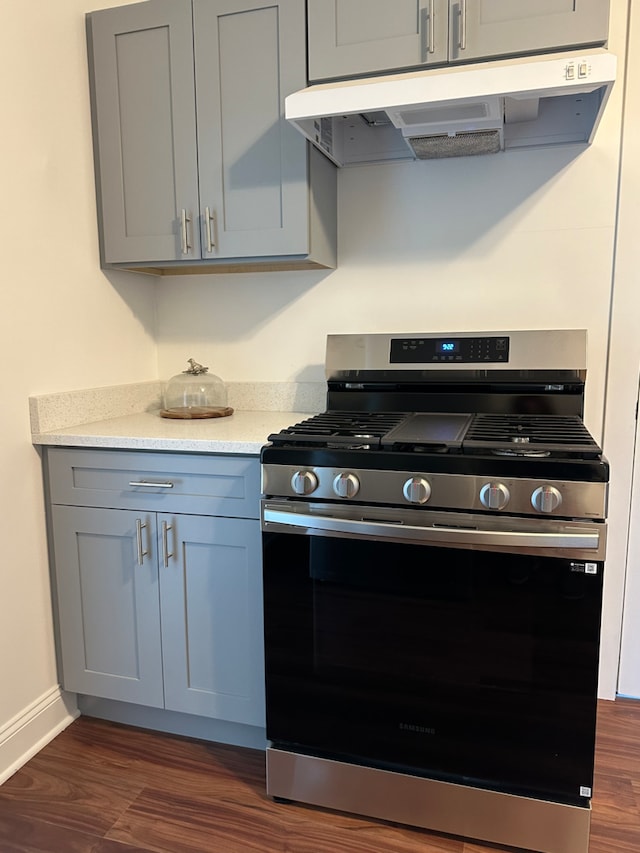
146,485
142,553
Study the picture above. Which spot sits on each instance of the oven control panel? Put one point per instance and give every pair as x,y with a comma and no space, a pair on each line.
430,490
450,350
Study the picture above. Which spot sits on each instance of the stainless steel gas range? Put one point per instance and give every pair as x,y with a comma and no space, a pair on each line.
434,551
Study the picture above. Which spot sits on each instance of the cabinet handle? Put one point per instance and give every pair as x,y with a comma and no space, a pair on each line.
142,553
166,555
184,220
146,485
431,28
462,24
209,224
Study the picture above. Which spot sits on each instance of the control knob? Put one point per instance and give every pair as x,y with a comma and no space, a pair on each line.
417,490
304,482
494,495
546,499
346,485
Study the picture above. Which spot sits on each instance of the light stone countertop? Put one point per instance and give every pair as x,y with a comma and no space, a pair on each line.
242,432
127,417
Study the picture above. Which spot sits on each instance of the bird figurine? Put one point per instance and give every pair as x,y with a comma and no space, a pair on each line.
195,369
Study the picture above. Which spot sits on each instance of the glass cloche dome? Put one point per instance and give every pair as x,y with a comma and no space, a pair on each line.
195,393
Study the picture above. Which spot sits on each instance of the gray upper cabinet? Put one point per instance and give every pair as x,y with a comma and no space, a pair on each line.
195,164
357,37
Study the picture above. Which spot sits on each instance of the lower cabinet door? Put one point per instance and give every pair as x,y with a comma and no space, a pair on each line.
211,609
108,603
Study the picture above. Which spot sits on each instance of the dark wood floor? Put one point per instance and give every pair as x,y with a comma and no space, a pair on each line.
103,788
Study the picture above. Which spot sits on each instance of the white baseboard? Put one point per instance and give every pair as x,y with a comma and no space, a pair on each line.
25,735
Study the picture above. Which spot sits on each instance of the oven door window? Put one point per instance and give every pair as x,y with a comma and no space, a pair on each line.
463,665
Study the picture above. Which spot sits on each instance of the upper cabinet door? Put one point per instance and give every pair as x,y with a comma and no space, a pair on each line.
485,28
351,37
141,57
252,163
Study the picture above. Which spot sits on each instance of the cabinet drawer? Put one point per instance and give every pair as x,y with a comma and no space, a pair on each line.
193,483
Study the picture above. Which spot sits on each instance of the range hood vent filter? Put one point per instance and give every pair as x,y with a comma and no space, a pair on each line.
460,145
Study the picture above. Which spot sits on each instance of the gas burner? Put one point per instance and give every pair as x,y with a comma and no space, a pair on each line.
562,436
522,450
349,430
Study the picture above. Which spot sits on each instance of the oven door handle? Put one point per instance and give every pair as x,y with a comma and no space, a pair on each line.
316,525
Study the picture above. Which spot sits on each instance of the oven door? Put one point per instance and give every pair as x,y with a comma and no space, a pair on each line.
455,646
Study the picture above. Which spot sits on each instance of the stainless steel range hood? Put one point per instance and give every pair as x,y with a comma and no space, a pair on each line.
455,111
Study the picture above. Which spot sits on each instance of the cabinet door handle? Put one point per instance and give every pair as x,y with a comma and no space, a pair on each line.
142,553
431,28
209,225
184,231
166,554
147,485
462,24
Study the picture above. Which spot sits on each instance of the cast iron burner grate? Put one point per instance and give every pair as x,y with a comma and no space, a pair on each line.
530,435
339,429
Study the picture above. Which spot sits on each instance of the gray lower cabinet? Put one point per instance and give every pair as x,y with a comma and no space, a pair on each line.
196,167
108,605
356,37
162,609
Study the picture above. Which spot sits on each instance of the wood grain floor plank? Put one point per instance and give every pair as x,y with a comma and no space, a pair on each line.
64,793
178,824
26,835
165,762
616,822
368,839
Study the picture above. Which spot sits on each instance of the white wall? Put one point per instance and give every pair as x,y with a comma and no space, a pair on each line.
522,240
622,389
63,324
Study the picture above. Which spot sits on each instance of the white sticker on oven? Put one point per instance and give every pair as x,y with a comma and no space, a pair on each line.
584,791
586,568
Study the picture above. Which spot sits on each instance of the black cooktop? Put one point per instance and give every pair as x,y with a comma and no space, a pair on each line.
561,436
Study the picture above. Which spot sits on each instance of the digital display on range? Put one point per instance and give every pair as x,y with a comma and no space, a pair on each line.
486,349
